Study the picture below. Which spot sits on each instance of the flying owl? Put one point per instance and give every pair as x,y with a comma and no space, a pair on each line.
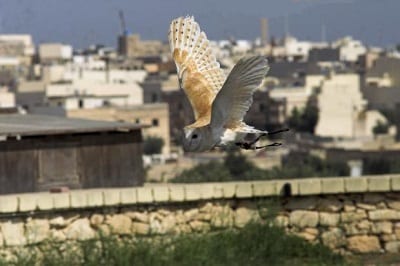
219,103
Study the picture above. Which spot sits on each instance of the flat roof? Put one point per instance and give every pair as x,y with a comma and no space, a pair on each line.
12,125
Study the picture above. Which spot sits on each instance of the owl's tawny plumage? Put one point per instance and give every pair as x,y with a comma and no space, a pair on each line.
219,103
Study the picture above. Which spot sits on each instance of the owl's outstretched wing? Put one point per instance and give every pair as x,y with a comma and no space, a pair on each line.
236,96
199,73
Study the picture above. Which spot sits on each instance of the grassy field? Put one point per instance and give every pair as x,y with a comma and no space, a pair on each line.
253,245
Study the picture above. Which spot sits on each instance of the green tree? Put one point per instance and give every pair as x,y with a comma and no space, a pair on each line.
380,128
306,119
152,145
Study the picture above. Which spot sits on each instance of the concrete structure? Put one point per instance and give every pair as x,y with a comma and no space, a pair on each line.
343,110
264,31
350,49
348,215
47,151
133,46
7,98
155,115
54,52
16,45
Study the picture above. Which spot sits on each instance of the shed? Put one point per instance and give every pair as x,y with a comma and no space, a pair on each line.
39,152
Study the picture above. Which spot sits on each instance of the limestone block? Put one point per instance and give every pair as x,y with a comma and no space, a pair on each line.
206,191
27,202
394,204
310,186
61,200
281,221
348,217
301,203
58,222
381,215
111,197
229,189
264,188
119,224
177,193
8,203
382,228
397,233
243,216
198,226
168,224
141,228
78,199
395,183
191,214
373,198
144,195
128,195
379,183
329,219
192,192
355,184
222,217
13,233
79,230
329,204
96,220
94,198
364,244
307,236
37,230
333,238
244,190
366,206
138,216
161,193
218,191
392,247
44,201
57,235
304,218
332,185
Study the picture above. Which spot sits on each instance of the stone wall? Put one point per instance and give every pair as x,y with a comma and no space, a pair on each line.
350,215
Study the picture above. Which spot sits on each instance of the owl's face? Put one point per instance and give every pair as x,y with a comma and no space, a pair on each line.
192,140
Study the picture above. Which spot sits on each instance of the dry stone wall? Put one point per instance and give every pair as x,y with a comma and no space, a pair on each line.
350,215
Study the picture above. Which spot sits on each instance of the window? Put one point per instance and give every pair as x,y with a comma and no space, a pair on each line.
137,121
154,122
80,103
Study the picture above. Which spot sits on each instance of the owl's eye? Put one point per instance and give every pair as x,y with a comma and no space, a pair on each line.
194,136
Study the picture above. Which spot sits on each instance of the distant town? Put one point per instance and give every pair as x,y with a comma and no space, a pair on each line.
340,99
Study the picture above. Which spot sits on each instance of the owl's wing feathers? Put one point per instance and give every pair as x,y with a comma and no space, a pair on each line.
236,96
199,72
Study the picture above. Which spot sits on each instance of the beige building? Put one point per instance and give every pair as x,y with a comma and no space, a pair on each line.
7,99
342,109
155,115
133,46
54,52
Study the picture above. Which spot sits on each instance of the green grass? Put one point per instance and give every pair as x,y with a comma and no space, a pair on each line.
253,245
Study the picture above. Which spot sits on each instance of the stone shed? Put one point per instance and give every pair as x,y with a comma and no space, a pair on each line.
38,153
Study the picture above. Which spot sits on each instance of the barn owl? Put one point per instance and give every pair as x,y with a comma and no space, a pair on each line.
219,103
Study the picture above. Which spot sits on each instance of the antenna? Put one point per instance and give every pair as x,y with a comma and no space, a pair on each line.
124,31
286,25
323,33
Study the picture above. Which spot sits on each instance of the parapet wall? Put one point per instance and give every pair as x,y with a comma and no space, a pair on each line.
350,215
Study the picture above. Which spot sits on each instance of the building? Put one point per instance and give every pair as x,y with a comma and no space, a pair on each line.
343,110
156,115
38,153
132,46
54,52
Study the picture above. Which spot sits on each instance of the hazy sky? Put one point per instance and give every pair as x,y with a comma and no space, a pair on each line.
83,22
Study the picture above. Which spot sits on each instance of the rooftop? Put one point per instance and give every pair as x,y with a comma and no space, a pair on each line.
17,125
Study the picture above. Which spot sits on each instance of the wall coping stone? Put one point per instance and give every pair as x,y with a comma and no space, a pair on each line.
168,193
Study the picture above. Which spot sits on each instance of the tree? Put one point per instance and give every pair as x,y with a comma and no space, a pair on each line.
306,119
380,128
152,145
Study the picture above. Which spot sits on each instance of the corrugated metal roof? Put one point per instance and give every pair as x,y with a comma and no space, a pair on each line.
35,125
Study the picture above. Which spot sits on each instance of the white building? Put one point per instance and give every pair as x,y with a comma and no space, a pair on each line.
7,99
342,109
350,49
54,51
24,40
